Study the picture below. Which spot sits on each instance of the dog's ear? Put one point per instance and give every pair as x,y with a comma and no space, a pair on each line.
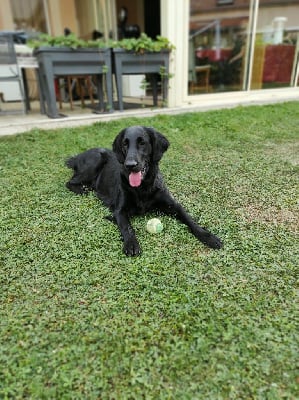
117,146
159,143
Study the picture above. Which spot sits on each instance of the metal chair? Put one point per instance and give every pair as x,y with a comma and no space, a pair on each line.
11,72
202,78
78,82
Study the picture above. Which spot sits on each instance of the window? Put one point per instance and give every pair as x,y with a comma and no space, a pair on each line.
29,15
224,2
218,41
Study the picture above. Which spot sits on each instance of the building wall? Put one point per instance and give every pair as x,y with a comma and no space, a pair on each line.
267,14
62,14
6,20
85,17
205,10
135,11
211,5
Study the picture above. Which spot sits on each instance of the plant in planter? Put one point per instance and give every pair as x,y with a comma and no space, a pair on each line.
144,44
70,56
143,55
71,41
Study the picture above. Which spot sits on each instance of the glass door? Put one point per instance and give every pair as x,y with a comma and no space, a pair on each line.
218,45
239,45
276,45
29,15
96,19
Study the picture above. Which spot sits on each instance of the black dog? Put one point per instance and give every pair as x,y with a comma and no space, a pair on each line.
129,182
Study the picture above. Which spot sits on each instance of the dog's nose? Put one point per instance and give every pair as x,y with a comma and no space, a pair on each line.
130,163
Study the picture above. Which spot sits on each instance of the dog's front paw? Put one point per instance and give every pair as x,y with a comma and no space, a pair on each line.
212,241
131,247
77,188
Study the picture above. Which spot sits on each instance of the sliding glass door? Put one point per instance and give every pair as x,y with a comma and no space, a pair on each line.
237,45
277,45
218,44
29,15
96,19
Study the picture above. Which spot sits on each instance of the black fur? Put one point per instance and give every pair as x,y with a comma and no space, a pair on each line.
137,150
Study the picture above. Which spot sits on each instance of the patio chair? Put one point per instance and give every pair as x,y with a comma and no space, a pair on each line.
202,79
80,83
9,69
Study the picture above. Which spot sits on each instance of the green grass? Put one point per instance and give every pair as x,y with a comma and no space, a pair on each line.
79,320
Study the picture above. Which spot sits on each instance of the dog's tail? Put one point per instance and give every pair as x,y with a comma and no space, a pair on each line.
92,158
87,165
70,162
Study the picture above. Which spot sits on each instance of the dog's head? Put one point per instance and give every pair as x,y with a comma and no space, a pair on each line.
138,148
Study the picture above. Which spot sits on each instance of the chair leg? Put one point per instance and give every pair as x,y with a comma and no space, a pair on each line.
23,96
58,94
80,82
70,90
154,82
191,87
208,81
90,89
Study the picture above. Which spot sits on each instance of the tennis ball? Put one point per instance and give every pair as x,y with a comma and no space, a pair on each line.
154,225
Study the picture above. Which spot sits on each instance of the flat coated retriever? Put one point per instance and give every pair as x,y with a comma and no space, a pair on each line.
128,181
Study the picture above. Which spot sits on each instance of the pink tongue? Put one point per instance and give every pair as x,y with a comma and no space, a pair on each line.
135,179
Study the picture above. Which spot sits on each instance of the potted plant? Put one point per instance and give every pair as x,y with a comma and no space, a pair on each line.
142,55
69,55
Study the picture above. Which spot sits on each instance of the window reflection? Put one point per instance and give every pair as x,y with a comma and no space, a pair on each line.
29,15
96,19
217,42
277,43
224,55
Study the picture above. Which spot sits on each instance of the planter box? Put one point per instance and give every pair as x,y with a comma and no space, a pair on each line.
130,63
60,61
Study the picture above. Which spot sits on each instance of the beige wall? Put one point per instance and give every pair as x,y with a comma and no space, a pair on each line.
6,21
80,16
267,14
135,11
62,14
86,18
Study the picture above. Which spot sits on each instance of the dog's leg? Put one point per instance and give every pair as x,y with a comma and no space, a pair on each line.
131,246
77,188
170,206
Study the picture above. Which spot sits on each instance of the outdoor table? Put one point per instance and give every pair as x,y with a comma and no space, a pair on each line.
26,60
130,63
56,61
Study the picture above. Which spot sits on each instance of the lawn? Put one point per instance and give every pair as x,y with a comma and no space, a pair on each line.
80,320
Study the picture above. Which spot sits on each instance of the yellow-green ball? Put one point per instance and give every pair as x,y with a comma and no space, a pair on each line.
154,225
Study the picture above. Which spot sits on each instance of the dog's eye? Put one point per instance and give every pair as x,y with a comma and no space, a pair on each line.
141,141
125,144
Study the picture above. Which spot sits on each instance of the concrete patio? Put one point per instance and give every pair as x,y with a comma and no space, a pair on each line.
16,123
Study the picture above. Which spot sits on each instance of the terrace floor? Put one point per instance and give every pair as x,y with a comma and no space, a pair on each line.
14,123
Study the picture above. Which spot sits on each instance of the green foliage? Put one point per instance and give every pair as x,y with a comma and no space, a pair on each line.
140,45
105,69
71,41
144,84
144,43
79,320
